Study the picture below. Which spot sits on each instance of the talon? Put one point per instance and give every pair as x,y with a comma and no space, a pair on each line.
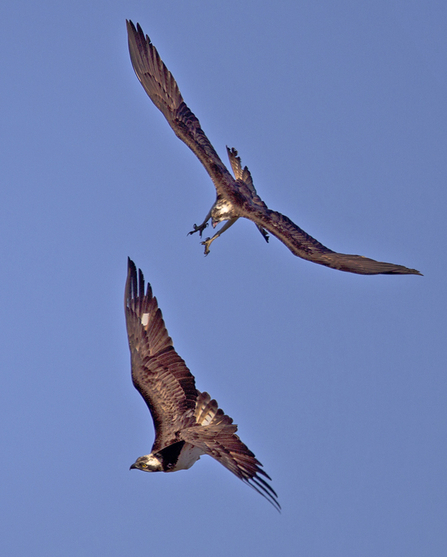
207,244
198,229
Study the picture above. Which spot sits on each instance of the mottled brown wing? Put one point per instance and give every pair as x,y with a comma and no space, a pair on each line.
218,439
303,245
159,374
299,242
163,90
244,175
241,173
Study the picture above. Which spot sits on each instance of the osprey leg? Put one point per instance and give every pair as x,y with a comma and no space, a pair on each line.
202,226
226,226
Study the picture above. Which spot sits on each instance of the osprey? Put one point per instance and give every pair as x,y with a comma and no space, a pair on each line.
187,423
236,197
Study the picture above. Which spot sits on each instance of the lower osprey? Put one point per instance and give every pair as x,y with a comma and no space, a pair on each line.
187,423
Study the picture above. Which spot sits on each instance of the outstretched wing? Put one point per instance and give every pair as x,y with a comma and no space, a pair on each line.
215,434
158,372
299,242
163,90
303,245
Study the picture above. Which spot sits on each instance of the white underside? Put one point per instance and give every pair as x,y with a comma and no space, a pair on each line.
221,210
188,456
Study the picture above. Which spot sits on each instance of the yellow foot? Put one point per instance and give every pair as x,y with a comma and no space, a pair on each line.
207,244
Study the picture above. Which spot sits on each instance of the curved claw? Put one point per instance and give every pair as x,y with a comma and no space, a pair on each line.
264,233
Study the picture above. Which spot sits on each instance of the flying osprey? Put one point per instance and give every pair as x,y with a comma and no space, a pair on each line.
187,423
236,197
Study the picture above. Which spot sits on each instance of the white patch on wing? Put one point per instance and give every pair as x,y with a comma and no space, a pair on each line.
188,456
206,410
145,319
207,419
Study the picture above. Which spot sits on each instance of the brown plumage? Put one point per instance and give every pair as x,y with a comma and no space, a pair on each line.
187,423
236,197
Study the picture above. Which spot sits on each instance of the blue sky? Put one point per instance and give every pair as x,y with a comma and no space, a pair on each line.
337,381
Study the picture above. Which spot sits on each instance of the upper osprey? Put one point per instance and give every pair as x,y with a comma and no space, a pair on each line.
187,423
236,197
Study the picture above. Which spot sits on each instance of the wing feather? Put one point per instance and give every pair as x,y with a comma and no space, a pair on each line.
159,374
160,85
240,173
297,240
303,245
244,175
215,434
222,443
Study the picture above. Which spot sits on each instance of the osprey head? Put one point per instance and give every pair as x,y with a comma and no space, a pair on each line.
148,463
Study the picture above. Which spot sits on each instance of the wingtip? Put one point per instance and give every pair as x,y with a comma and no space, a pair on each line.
130,265
264,489
135,30
400,270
